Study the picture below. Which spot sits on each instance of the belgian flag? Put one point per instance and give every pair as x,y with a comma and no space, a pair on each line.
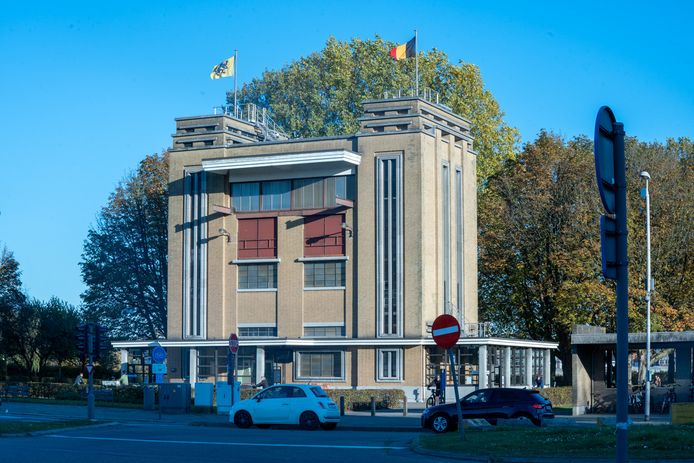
406,50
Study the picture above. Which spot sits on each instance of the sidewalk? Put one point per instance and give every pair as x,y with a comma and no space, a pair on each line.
384,420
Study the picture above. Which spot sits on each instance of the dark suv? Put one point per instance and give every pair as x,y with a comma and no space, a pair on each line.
490,404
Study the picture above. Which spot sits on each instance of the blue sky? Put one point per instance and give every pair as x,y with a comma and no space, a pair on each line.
87,89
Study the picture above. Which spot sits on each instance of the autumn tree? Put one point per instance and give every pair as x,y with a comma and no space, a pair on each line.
321,94
124,263
540,259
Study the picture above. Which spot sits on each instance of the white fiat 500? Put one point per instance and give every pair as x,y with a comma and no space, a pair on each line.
303,404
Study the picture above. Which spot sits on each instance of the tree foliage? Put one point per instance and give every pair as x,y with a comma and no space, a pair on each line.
11,299
124,263
540,260
321,94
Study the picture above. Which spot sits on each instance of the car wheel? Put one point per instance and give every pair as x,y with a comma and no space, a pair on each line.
243,419
440,423
537,422
328,426
263,426
309,421
492,421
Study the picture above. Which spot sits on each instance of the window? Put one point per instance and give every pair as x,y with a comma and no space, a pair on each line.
479,397
389,244
194,255
258,276
308,193
389,365
187,144
275,195
246,196
320,365
257,238
324,236
459,243
209,142
258,331
324,274
333,331
446,257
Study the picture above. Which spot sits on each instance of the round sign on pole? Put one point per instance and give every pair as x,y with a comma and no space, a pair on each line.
445,331
603,146
158,354
233,343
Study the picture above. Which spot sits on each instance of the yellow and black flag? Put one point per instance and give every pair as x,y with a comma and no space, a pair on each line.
406,50
223,69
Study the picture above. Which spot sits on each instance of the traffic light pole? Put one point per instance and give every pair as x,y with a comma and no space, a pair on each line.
622,293
90,389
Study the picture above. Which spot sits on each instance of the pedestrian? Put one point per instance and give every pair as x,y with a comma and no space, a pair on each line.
79,380
262,384
123,379
436,384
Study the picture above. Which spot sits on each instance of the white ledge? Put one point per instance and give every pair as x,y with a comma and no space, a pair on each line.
273,160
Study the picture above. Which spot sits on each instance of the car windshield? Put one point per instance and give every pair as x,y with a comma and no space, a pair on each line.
318,391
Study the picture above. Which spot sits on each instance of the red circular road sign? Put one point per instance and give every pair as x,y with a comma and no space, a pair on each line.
233,343
445,331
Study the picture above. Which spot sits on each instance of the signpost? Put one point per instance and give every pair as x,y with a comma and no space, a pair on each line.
446,331
611,179
232,364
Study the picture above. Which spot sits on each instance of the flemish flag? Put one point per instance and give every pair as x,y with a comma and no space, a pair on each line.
406,50
223,69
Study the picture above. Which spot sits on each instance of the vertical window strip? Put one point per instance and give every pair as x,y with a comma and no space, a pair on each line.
459,244
389,245
446,216
195,255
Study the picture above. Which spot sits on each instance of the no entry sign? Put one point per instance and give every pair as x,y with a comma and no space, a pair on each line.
233,343
445,331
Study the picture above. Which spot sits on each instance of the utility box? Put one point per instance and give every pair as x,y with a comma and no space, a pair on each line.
204,394
174,397
148,393
223,398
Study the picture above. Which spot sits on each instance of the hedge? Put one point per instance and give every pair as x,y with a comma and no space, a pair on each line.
62,391
559,396
355,399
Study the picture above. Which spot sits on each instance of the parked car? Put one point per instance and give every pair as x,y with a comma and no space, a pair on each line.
490,404
303,404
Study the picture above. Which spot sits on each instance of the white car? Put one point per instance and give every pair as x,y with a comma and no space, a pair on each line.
303,404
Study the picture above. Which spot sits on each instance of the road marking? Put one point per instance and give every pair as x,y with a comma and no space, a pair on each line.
237,444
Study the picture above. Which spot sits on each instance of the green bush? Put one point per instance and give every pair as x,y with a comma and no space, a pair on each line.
360,399
62,391
558,395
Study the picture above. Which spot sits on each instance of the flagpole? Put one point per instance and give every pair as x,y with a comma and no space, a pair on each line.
416,64
236,59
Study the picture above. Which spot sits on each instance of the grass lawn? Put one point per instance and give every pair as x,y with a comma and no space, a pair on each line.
645,442
19,427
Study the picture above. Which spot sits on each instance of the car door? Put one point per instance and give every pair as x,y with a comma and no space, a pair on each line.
298,403
269,406
477,404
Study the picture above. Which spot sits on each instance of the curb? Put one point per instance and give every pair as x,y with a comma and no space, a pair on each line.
55,430
339,428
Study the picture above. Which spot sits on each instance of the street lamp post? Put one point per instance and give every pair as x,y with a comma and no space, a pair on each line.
647,407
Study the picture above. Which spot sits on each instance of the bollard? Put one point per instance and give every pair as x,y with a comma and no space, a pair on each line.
342,405
404,406
373,406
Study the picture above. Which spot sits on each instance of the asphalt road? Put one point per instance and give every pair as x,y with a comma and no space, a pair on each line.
134,442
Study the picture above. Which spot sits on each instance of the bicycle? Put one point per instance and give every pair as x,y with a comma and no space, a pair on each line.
670,397
433,399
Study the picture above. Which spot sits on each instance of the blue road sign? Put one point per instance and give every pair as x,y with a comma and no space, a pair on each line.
603,147
158,354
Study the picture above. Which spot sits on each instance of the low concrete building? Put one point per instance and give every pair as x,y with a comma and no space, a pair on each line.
329,257
594,367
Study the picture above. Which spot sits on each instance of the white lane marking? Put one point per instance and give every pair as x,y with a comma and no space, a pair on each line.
237,444
446,330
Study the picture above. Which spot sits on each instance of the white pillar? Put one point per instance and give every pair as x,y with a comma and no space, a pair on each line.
529,367
507,367
482,359
193,366
547,364
124,361
259,363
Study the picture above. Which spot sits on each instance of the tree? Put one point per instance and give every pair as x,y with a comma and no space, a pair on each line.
540,258
321,94
124,263
11,298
